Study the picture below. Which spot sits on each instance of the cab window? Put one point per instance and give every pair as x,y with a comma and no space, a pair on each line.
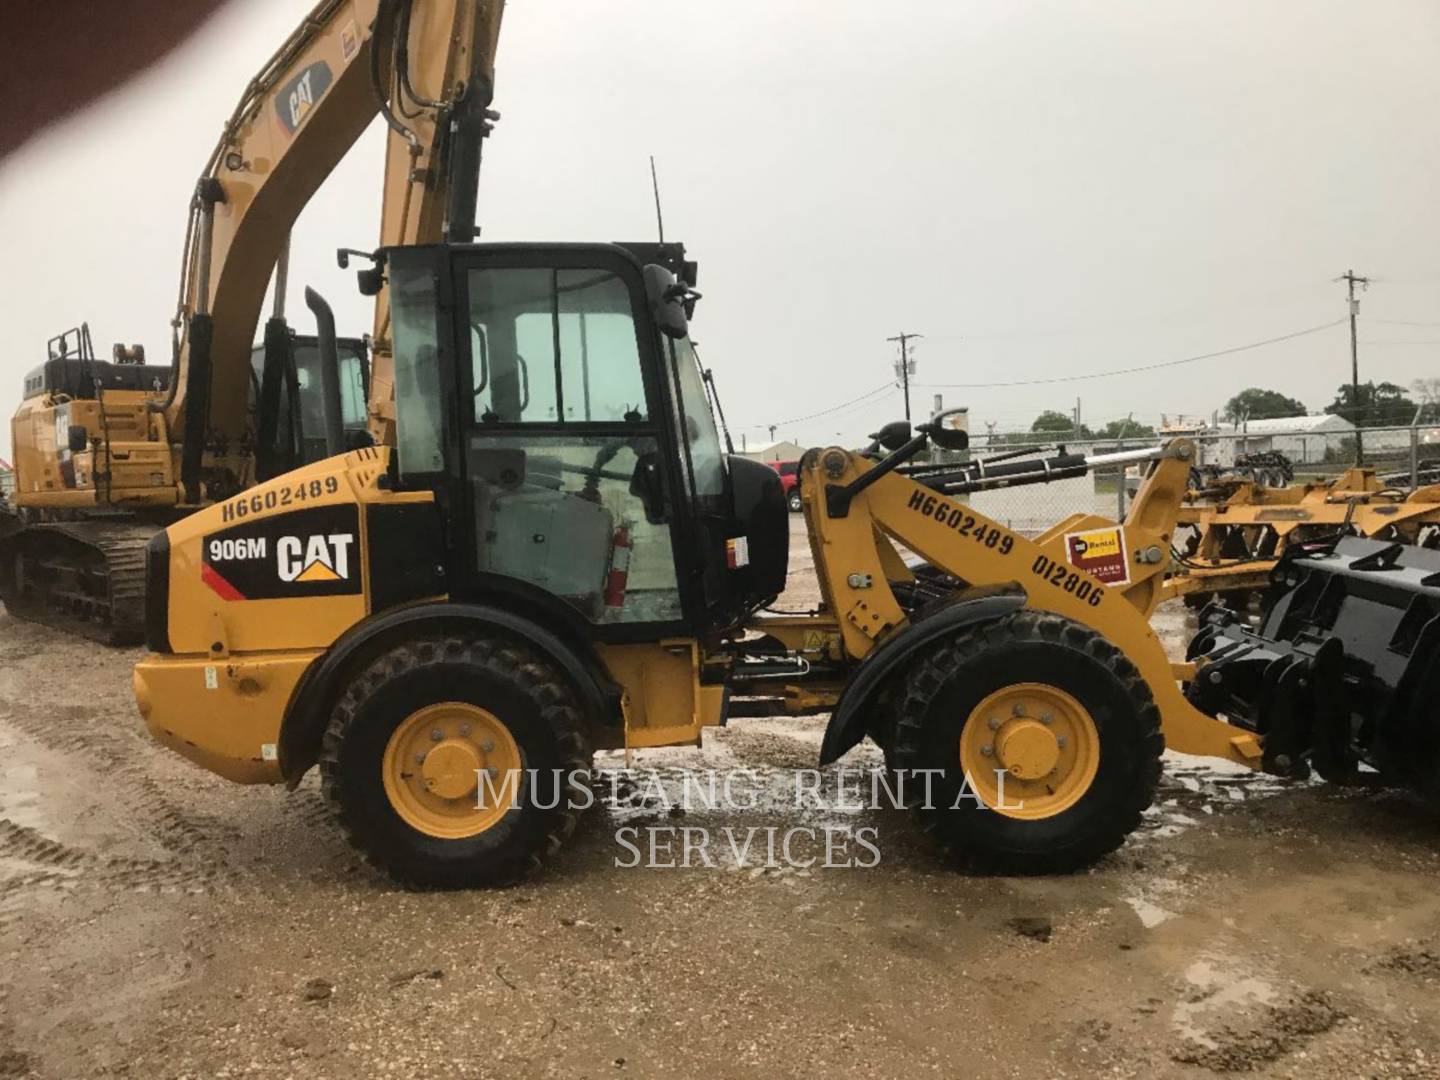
551,346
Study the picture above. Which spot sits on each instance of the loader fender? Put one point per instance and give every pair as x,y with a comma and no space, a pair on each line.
973,606
309,710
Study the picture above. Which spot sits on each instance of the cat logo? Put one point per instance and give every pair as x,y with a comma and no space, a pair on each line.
298,96
302,553
315,559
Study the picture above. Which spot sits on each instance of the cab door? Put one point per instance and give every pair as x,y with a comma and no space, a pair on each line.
563,490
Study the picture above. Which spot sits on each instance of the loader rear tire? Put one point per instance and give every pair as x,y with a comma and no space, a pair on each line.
400,758
1054,692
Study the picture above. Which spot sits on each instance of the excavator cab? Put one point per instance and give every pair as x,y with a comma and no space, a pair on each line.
550,395
286,400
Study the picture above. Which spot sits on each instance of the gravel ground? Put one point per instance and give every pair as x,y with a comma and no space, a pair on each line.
156,921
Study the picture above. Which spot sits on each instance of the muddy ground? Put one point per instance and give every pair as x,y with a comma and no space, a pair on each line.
156,921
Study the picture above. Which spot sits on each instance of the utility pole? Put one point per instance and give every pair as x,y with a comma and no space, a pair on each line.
1351,279
904,339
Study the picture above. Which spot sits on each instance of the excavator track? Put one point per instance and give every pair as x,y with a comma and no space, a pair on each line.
83,577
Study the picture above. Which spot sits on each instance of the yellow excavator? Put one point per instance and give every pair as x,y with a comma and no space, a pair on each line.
558,555
106,452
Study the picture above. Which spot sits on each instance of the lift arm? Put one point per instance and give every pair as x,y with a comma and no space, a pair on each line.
1113,591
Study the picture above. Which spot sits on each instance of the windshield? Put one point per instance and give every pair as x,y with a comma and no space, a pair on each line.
705,459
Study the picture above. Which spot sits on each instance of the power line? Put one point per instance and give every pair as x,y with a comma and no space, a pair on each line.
1143,367
1169,317
886,385
1399,322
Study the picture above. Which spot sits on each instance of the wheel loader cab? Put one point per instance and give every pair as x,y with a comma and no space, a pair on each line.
550,397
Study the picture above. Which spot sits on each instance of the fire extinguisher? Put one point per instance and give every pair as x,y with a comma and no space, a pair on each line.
619,575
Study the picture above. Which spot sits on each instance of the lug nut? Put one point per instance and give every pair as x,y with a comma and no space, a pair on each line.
464,729
492,772
987,750
994,723
487,746
1018,710
1060,742
419,759
1046,718
436,735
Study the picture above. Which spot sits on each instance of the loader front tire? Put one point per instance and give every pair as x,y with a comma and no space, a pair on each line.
1044,741
456,762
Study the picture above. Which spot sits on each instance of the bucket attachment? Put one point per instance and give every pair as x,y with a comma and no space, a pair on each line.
1343,670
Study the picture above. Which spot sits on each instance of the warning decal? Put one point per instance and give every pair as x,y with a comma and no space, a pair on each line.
1100,552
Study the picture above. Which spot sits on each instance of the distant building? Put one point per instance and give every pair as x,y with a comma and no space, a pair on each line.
784,450
7,479
1303,439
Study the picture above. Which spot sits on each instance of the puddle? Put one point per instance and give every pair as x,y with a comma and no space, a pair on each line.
19,786
1215,985
1151,915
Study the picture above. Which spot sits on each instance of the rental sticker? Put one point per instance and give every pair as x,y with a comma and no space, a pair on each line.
1100,552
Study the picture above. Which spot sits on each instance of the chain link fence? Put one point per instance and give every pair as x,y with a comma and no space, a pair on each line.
1404,457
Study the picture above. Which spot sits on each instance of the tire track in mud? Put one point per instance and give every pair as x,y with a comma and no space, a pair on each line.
66,866
136,796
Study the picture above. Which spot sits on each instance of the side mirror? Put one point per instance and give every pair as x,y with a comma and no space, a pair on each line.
370,281
943,435
893,435
667,301
948,438
79,438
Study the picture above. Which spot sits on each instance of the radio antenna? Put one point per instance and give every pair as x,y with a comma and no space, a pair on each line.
655,186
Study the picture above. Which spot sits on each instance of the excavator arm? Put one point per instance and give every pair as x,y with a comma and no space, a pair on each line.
427,67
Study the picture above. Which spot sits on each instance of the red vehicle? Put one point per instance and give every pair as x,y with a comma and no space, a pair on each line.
790,479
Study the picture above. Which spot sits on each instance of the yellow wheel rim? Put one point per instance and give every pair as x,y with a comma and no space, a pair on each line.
435,763
1030,751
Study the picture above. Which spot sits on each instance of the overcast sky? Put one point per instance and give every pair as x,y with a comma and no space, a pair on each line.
1041,189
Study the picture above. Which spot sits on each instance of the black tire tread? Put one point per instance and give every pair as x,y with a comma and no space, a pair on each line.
930,672
553,698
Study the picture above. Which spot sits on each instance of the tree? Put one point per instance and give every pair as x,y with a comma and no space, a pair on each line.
1126,429
1051,422
1428,391
1258,404
1379,405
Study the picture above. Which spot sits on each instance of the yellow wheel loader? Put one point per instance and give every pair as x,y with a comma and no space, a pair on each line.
558,555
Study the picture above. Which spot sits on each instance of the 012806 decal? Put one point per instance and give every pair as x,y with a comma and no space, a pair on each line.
312,552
